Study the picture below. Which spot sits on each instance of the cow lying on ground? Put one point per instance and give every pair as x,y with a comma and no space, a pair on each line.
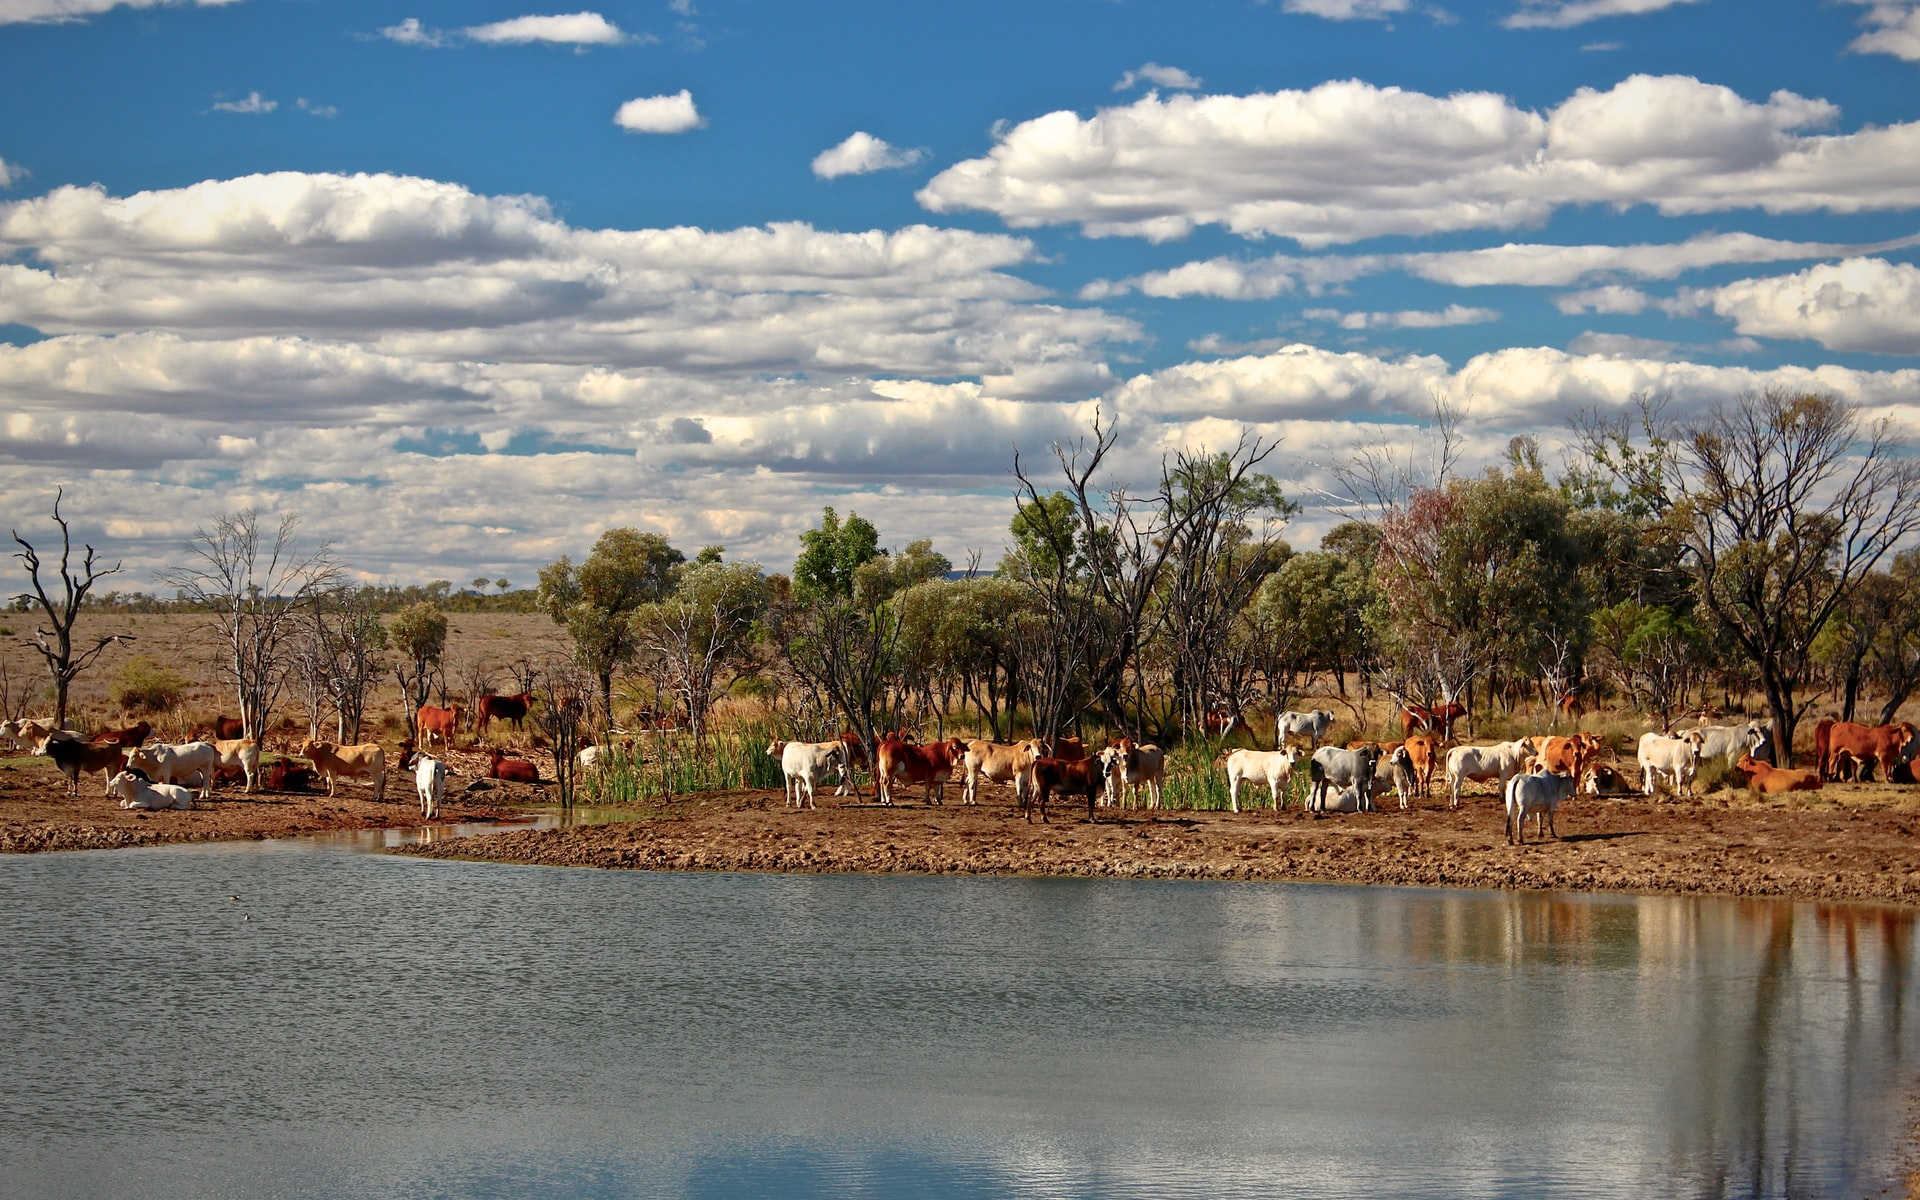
333,762
1539,793
1076,777
1769,779
186,763
137,791
1501,761
1603,780
75,758
998,762
511,770
804,764
1271,767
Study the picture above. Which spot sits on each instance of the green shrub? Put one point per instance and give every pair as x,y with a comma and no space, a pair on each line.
143,685
737,758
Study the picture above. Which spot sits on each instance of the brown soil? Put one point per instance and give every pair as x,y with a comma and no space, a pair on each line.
37,814
1855,843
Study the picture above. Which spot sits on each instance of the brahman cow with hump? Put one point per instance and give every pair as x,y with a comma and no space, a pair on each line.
1271,767
1886,745
997,762
178,764
1075,777
1538,793
137,791
1732,741
1129,765
1501,761
1677,757
804,764
1333,768
127,738
76,758
335,761
931,765
1312,725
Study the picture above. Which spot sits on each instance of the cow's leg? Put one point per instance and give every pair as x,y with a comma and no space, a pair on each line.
1233,793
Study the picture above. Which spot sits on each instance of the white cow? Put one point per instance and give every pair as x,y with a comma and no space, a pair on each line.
1130,765
1678,757
805,764
31,734
1731,741
1539,793
588,760
137,791
178,763
1501,761
430,779
1272,767
1333,767
1406,780
1312,725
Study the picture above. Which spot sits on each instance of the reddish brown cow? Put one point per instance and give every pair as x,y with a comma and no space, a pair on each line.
440,723
931,765
1075,777
131,736
1067,749
226,729
513,770
84,758
1764,777
1423,749
1438,719
504,708
283,776
1882,744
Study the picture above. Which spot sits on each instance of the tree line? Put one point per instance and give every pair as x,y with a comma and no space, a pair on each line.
1759,548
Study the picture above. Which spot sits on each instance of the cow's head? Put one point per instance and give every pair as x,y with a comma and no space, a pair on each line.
775,748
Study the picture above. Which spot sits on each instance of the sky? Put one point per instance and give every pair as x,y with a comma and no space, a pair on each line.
463,285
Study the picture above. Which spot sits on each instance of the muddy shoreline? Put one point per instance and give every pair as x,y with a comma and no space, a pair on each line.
1864,852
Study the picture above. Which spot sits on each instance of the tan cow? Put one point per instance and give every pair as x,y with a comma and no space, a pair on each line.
1129,765
243,753
999,762
334,761
1766,778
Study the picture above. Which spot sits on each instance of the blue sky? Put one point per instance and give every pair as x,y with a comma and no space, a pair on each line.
402,268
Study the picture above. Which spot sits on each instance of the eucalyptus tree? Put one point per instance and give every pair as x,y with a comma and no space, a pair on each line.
706,625
596,600
419,634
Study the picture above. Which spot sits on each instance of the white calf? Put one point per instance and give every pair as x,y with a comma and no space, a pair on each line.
1539,793
1272,767
430,779
1130,765
1501,761
137,792
1678,757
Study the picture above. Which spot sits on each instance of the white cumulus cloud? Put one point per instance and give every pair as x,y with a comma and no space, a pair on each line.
252,102
569,29
1859,304
13,12
1893,27
411,32
1348,160
1452,314
1564,14
659,114
1158,76
862,154
11,173
1348,10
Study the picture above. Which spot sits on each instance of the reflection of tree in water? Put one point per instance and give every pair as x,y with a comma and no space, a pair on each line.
1800,1064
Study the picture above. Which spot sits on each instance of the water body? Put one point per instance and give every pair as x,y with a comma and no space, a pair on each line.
355,1025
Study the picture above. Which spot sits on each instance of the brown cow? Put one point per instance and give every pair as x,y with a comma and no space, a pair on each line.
1423,749
504,708
130,737
512,770
931,765
442,723
283,776
1075,777
82,758
1763,777
226,729
334,761
1883,744
1438,719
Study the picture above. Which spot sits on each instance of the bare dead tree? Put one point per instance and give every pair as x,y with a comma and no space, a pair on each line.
257,585
56,645
560,715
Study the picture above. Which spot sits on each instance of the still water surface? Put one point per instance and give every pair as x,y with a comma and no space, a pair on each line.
362,1026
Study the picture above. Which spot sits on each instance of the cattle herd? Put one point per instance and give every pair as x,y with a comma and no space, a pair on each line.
1534,775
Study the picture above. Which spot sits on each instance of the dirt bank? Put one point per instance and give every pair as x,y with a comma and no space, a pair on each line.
1855,843
37,814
